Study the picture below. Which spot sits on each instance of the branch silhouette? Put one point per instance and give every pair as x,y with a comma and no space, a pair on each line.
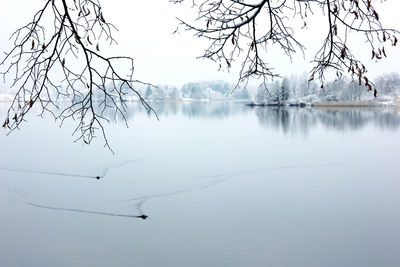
65,74
245,30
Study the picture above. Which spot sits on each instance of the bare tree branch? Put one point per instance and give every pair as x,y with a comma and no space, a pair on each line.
65,74
345,17
252,27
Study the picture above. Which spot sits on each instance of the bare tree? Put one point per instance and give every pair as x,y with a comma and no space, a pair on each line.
59,69
246,29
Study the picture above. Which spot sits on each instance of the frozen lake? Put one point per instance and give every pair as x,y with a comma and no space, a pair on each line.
222,184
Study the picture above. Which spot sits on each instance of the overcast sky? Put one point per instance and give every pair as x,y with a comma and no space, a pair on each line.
161,57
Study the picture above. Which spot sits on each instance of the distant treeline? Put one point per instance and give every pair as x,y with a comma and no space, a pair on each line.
195,90
289,120
300,89
287,90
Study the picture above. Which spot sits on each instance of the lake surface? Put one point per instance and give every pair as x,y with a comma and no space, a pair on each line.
222,184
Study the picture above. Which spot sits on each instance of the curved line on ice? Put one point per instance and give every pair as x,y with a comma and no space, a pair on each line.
143,216
71,174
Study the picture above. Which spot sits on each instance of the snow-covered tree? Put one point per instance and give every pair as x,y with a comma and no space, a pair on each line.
389,84
284,90
148,92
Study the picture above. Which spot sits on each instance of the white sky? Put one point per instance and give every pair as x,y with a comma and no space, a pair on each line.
145,33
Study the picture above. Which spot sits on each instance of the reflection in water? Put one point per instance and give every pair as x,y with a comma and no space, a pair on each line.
286,119
302,120
214,109
211,110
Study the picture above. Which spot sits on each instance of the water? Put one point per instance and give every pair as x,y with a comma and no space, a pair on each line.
222,184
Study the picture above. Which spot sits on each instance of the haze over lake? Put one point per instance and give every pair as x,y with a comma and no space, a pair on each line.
222,184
